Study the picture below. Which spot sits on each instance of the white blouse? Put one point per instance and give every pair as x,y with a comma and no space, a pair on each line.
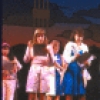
71,46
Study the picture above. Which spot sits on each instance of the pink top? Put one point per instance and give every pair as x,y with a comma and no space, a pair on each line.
29,55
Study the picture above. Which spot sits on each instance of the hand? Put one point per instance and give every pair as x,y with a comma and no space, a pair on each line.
14,61
29,44
44,62
31,58
61,69
77,55
65,66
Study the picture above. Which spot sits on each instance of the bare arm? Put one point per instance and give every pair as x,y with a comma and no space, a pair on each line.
64,66
28,56
17,64
50,50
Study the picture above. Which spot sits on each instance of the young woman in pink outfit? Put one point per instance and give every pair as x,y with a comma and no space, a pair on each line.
39,53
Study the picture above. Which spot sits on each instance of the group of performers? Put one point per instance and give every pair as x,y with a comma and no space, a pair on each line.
51,74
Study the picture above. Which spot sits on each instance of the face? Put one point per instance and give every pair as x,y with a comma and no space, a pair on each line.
40,38
5,51
78,38
56,48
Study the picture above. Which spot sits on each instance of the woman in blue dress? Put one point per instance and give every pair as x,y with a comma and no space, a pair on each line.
74,81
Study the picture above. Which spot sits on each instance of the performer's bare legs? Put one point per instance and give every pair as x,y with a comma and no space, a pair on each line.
57,98
49,97
68,97
82,97
32,96
53,97
42,96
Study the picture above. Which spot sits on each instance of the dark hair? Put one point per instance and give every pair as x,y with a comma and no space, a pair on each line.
10,55
78,31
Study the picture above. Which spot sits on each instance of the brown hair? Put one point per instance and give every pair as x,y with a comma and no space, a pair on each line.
78,31
39,31
11,54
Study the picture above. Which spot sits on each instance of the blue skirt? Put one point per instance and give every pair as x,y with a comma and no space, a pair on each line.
73,81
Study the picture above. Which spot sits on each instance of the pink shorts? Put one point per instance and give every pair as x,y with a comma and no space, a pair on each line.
37,80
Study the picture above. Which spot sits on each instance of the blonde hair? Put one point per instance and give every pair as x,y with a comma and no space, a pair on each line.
39,31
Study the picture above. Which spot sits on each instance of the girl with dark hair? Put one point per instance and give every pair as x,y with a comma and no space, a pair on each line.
73,49
38,52
9,70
